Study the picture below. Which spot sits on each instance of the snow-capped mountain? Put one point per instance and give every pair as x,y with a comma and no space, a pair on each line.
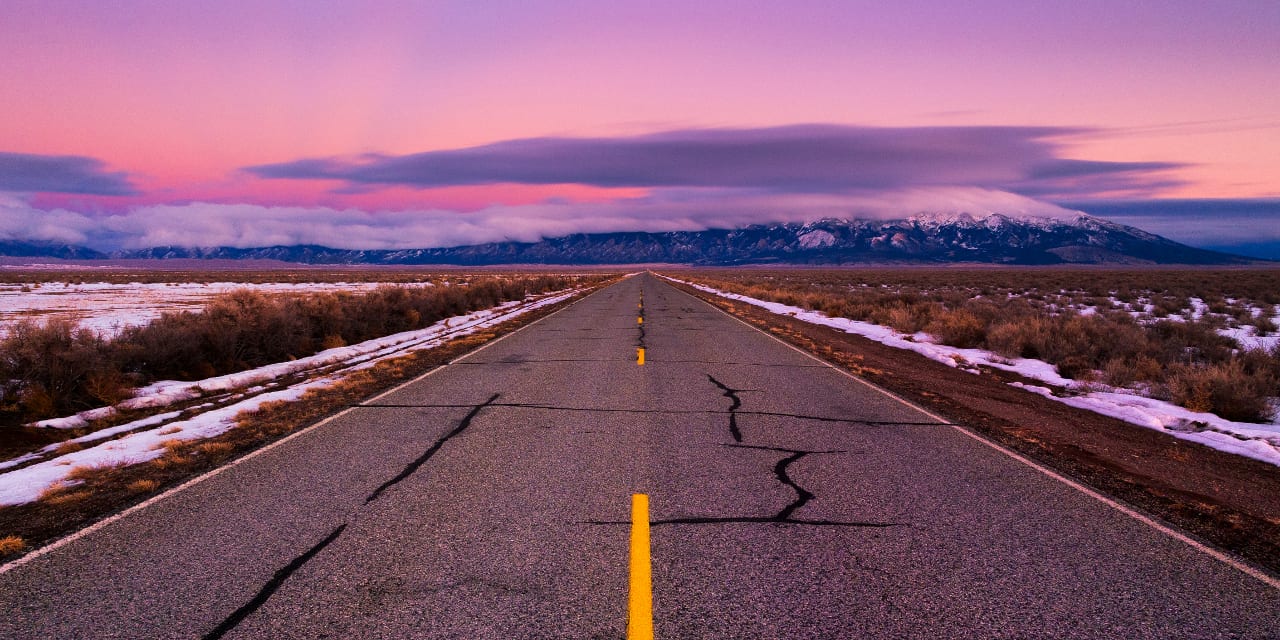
927,238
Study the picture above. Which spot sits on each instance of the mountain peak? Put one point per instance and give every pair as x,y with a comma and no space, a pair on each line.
986,237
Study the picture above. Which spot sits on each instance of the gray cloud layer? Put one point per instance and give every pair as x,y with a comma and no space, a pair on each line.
60,174
250,225
798,158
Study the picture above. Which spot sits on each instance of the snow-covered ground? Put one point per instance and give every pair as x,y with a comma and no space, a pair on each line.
108,308
34,473
1259,441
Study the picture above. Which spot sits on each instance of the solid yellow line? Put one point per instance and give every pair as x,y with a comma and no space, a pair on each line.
640,611
640,356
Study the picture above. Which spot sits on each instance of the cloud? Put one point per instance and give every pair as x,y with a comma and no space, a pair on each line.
690,209
796,158
1217,223
23,172
18,221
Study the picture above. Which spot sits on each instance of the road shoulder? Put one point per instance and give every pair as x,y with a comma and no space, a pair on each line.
1226,500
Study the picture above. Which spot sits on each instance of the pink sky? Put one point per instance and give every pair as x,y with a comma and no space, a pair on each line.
182,95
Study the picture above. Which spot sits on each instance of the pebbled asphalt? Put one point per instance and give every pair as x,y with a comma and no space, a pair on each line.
491,498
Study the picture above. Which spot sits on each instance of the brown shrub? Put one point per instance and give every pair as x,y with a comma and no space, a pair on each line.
1225,389
10,545
1025,338
958,328
142,486
46,365
108,386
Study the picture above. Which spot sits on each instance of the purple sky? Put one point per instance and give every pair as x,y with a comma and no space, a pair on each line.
397,114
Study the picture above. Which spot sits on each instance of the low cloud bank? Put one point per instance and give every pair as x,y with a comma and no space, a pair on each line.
1249,227
251,225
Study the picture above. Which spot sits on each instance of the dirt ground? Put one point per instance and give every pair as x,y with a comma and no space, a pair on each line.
1227,500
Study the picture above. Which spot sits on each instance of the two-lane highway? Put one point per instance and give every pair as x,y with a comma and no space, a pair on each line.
491,499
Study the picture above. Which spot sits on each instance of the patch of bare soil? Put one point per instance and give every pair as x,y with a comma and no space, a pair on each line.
1230,501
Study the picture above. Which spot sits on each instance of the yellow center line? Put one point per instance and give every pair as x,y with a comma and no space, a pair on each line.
640,609
639,319
640,356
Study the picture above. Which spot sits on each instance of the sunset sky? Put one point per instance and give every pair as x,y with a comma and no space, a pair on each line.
391,124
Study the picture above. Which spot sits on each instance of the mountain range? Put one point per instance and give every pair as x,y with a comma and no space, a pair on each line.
991,238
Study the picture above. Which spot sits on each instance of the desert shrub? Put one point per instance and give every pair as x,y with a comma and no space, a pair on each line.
1227,389
48,367
1189,342
960,328
1020,338
1263,325
1124,372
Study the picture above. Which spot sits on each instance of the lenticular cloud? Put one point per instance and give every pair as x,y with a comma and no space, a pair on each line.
798,158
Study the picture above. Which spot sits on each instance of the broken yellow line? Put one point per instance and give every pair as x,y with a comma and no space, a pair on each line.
640,609
640,356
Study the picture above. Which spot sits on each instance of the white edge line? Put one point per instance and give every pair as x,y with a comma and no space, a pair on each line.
1166,529
62,542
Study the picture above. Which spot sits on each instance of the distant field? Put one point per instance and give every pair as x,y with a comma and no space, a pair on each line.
109,299
1204,339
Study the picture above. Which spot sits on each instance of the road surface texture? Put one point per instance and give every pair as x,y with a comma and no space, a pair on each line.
491,499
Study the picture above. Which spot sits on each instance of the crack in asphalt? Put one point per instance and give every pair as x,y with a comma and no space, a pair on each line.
731,394
272,585
282,574
422,459
548,407
803,496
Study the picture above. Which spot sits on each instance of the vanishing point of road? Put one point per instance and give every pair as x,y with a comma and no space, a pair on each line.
492,499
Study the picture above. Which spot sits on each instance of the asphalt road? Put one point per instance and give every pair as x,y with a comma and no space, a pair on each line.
491,499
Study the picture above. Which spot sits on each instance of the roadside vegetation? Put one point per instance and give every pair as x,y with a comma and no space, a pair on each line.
1185,336
51,367
34,278
96,491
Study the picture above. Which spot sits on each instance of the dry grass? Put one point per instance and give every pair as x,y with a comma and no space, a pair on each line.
144,485
215,449
81,473
10,545
68,447
59,496
171,445
170,460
